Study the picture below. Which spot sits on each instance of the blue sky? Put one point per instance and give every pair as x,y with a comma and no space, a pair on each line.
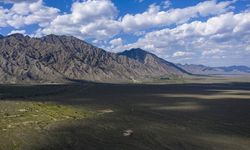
212,32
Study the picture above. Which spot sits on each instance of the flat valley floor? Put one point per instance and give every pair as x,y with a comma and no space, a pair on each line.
212,115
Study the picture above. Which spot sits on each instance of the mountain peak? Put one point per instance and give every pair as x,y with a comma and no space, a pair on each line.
1,36
53,38
16,35
59,36
153,61
136,53
137,49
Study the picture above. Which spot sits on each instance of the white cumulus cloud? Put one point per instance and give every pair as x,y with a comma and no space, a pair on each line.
88,19
17,1
223,36
17,31
212,52
182,54
116,42
98,18
27,13
154,17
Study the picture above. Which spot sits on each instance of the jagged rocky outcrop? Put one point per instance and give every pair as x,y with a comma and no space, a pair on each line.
59,59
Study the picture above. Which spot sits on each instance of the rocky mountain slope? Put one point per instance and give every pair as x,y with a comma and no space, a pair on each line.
152,61
62,58
205,70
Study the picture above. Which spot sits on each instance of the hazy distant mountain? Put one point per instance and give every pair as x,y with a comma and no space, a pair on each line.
154,62
243,69
60,58
205,70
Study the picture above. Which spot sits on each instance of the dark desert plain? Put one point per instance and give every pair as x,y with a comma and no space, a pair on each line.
210,113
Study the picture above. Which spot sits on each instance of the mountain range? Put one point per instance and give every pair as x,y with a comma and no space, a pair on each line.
60,59
206,70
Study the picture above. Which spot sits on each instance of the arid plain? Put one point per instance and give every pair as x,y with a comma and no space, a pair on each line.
202,113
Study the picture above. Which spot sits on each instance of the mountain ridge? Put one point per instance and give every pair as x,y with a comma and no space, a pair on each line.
54,58
59,59
222,70
145,57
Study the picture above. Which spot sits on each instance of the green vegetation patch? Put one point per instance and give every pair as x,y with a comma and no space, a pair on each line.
15,114
23,124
